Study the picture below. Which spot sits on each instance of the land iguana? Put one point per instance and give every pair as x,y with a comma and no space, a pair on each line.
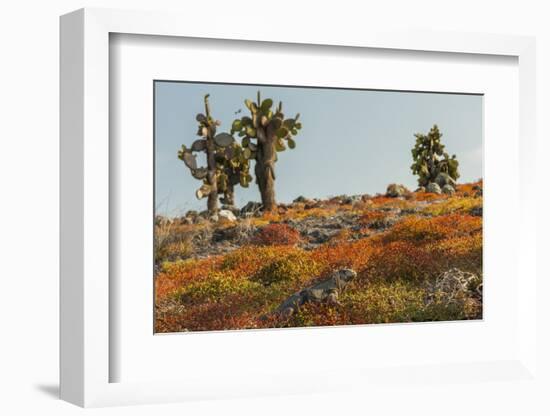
325,291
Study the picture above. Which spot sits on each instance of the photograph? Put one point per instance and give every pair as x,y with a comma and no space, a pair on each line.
295,206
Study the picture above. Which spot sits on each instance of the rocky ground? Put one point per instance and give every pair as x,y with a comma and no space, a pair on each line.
307,228
223,234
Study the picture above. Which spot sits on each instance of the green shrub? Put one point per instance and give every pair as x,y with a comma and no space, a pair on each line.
291,268
214,289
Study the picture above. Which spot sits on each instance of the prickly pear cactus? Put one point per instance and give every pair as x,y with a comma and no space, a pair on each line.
233,169
226,162
264,133
430,158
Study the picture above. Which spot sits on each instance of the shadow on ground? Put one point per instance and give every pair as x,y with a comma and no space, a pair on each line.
51,390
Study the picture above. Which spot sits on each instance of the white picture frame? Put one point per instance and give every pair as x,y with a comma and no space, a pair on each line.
86,356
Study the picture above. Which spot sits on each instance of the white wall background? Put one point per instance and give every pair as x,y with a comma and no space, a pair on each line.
29,204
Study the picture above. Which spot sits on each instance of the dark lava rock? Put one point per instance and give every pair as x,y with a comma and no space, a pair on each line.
477,211
251,208
395,190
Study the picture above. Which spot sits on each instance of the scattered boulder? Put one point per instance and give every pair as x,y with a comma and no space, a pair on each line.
448,189
349,200
478,190
236,211
443,179
204,214
251,208
188,218
227,215
301,199
477,211
318,236
318,230
238,234
191,214
420,189
395,190
383,223
324,291
199,220
335,200
433,188
312,204
223,234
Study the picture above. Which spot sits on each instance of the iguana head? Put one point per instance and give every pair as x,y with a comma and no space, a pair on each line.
346,275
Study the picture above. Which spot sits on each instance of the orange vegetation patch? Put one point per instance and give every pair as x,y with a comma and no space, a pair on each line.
428,196
178,273
419,248
470,188
465,252
276,234
206,317
421,230
371,217
351,254
399,260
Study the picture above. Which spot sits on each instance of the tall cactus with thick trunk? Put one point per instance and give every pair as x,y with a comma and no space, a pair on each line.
430,158
265,133
225,161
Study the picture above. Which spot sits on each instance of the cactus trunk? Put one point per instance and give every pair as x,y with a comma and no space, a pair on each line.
212,203
229,195
265,163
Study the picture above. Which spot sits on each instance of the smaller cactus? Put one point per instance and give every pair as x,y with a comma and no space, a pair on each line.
430,158
226,164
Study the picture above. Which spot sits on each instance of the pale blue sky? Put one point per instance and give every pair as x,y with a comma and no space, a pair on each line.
352,141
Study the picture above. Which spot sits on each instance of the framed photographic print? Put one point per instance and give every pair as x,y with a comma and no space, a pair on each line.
225,230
